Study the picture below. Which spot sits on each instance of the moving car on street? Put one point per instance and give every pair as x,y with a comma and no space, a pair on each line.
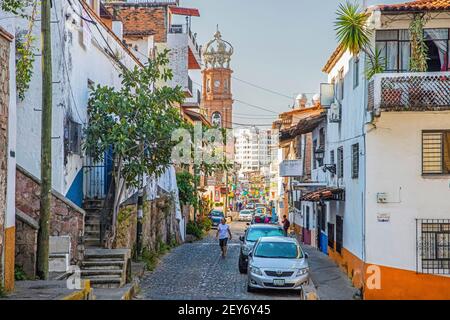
245,215
252,234
277,263
216,216
250,206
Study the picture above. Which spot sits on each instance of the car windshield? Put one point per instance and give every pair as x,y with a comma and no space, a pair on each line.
245,212
256,233
217,214
282,250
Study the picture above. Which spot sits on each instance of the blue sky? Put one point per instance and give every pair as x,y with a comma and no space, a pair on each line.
279,44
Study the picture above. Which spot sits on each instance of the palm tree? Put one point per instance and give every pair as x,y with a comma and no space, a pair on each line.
351,30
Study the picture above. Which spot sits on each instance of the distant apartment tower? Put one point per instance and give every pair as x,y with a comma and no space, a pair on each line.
253,148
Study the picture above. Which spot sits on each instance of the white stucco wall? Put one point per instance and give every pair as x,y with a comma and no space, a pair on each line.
394,156
344,134
8,23
73,65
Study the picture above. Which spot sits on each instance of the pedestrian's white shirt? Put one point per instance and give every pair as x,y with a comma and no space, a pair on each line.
223,230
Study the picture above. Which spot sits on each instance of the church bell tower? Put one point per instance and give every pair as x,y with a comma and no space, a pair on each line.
217,97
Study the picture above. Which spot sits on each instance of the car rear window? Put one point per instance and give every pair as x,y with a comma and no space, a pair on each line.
255,234
282,250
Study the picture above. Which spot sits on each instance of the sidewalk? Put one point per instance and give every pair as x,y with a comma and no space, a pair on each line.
40,290
331,283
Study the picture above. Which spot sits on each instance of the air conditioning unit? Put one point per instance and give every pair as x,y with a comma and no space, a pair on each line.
335,112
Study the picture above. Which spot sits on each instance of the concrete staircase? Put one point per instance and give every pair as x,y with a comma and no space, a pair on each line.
92,223
106,268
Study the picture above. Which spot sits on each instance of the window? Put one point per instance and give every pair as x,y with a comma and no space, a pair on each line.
307,218
436,152
72,137
340,85
340,162
433,246
355,161
355,72
314,154
395,48
332,161
331,235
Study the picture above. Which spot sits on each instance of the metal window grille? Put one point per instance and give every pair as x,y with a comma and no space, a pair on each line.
355,161
436,152
340,162
339,234
331,235
73,137
356,72
433,246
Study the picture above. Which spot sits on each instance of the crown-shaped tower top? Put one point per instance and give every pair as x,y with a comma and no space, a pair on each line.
217,52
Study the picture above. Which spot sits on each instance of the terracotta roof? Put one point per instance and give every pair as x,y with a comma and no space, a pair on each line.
308,115
308,124
5,34
329,193
418,5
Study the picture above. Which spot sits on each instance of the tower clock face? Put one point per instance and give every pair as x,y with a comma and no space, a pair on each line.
217,83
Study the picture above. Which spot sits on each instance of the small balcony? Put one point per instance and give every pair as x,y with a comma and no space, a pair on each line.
418,91
183,34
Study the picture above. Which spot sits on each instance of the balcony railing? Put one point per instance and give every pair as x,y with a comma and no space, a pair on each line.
183,29
409,91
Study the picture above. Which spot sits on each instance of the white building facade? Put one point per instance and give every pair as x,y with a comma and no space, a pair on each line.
388,149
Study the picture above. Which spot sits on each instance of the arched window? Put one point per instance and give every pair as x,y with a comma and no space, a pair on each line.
216,119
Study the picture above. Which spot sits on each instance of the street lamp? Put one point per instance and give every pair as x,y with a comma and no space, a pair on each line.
319,154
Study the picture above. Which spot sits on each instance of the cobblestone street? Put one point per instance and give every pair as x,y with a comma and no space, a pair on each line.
196,271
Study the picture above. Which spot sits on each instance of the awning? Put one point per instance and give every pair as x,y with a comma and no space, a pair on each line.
185,11
325,194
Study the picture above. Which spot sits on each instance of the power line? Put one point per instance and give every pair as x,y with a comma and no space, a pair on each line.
256,106
264,89
65,67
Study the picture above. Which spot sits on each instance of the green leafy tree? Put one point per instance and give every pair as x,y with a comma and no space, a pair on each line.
136,121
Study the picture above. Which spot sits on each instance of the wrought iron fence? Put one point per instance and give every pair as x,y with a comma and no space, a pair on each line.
412,91
433,246
94,180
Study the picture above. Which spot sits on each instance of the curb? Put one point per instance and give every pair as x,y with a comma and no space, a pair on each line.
132,291
86,293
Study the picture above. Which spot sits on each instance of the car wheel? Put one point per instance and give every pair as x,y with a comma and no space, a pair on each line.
250,289
242,266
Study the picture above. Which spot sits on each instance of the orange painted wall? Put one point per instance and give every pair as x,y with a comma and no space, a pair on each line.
399,284
10,242
350,264
396,284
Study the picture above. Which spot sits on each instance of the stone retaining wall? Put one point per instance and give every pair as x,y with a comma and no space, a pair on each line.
159,225
66,219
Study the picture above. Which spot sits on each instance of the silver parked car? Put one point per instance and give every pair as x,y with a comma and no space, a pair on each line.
245,215
277,263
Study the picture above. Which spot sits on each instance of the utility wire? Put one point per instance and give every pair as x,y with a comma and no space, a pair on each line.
65,67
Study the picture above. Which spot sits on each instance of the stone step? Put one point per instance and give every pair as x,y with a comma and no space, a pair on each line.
102,263
92,234
91,227
105,282
106,254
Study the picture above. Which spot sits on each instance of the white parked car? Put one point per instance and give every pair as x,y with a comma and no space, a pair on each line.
245,215
277,263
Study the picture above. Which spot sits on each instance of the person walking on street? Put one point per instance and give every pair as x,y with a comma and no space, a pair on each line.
286,225
223,231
